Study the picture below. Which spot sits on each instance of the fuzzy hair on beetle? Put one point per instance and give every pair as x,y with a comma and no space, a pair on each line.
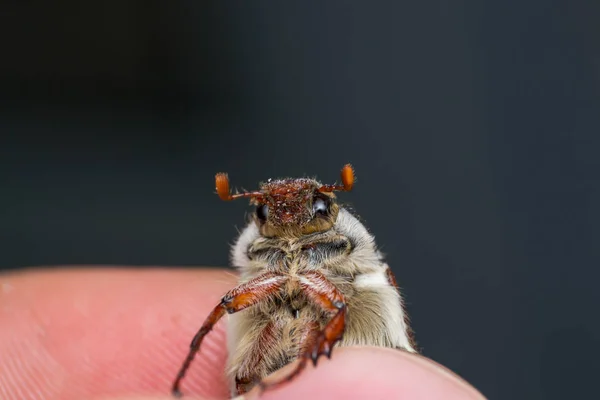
311,278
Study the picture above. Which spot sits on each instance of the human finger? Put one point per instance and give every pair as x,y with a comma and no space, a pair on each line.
81,333
371,373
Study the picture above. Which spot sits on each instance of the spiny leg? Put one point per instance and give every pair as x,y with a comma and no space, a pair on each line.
241,383
247,372
307,341
318,342
237,299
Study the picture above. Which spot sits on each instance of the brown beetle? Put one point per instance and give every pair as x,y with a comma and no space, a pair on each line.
311,278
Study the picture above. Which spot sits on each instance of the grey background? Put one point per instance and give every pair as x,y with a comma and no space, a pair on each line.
473,127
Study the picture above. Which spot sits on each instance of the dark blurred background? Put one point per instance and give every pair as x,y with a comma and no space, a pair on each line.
473,127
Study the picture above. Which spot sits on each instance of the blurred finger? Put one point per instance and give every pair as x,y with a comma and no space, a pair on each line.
79,334
371,373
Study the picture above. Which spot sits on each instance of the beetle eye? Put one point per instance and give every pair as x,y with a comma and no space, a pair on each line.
320,206
262,212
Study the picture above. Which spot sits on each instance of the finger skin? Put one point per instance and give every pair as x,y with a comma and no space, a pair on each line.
77,334
368,373
122,333
372,373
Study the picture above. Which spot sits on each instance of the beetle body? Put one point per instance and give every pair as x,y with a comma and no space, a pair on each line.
311,278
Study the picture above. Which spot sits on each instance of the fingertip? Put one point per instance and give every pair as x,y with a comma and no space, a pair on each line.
373,373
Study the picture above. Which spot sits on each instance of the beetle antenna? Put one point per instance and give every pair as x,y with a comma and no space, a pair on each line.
222,182
348,179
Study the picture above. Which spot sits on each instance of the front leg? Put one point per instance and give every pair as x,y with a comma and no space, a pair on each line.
237,299
318,342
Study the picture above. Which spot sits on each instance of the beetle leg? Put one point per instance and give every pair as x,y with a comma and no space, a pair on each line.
318,342
237,299
248,371
241,383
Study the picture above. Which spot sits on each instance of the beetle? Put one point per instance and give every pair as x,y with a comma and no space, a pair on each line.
311,278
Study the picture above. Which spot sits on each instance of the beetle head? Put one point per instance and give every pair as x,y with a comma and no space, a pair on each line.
292,206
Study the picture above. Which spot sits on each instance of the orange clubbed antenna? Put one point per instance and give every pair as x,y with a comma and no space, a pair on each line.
222,183
348,179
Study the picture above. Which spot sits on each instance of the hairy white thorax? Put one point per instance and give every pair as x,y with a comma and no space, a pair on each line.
376,315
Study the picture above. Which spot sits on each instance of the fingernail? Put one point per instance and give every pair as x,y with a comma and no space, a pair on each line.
241,397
